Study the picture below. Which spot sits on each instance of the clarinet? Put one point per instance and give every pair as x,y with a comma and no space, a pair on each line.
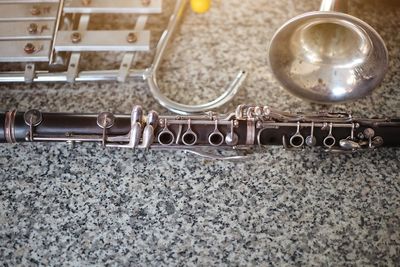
248,127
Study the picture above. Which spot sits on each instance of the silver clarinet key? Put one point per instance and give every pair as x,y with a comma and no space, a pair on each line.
297,140
311,141
166,137
148,132
348,144
216,138
329,141
189,138
135,134
231,138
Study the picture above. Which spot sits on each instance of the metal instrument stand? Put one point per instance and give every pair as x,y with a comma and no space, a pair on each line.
54,34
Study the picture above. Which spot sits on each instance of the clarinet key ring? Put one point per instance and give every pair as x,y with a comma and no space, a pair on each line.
329,141
297,140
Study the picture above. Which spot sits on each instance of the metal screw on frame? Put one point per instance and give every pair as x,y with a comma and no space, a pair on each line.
32,28
29,48
86,2
132,37
76,37
146,2
35,11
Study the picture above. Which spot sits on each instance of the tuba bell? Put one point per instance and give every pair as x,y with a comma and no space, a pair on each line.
328,56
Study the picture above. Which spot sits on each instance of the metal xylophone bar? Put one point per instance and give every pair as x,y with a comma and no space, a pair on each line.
34,32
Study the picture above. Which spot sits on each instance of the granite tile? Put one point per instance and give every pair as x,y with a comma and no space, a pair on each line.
85,205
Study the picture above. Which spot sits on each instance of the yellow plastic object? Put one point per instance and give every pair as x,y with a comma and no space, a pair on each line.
200,6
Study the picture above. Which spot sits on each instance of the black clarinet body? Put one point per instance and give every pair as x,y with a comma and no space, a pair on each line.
247,127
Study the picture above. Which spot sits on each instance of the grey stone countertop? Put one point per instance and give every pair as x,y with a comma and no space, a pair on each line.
92,206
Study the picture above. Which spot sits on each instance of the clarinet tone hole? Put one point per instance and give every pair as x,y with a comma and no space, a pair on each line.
216,139
329,141
297,141
189,139
165,138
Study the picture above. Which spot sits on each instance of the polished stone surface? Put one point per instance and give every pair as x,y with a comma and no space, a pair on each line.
91,206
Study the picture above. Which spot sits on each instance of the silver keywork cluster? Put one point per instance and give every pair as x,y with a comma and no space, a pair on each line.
268,118
154,131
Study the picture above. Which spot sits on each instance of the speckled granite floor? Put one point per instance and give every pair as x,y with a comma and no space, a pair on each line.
90,206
